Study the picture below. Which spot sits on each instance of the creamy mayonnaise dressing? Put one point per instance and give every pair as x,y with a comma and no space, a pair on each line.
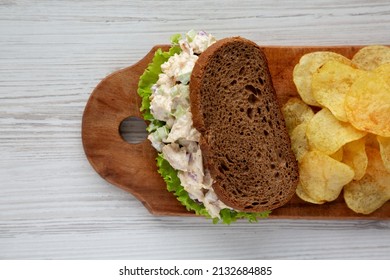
178,140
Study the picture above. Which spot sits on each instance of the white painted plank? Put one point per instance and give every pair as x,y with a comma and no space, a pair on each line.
53,53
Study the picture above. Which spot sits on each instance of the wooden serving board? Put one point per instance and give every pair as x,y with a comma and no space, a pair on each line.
132,167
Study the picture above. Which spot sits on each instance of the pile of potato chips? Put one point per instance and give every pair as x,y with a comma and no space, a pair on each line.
340,130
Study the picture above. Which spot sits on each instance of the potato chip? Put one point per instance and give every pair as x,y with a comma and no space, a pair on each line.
299,144
307,66
355,156
323,177
346,145
365,196
384,71
330,84
327,134
384,148
370,57
338,155
371,140
373,190
367,104
376,168
301,193
295,112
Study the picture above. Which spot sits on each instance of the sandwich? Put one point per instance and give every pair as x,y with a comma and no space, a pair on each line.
214,119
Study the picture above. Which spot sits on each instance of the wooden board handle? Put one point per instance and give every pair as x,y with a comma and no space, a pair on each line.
132,167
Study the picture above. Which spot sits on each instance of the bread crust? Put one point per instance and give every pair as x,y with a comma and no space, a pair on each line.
244,140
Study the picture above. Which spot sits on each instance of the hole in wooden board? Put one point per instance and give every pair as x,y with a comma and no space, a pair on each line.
133,130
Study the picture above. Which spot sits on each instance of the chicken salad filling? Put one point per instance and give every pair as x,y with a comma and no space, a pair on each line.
177,139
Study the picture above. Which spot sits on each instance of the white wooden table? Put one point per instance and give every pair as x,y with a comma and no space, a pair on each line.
52,203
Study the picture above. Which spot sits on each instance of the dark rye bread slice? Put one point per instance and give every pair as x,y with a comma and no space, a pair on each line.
244,139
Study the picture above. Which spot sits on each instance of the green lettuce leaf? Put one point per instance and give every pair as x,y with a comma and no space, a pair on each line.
150,77
170,177
168,173
228,216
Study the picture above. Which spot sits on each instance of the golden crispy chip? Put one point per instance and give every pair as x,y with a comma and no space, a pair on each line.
384,148
376,168
327,134
365,196
370,57
371,141
367,104
307,66
299,144
373,190
338,155
301,193
347,143
323,177
384,71
355,156
295,112
330,84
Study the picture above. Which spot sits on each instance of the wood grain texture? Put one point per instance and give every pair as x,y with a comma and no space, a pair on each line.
53,205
